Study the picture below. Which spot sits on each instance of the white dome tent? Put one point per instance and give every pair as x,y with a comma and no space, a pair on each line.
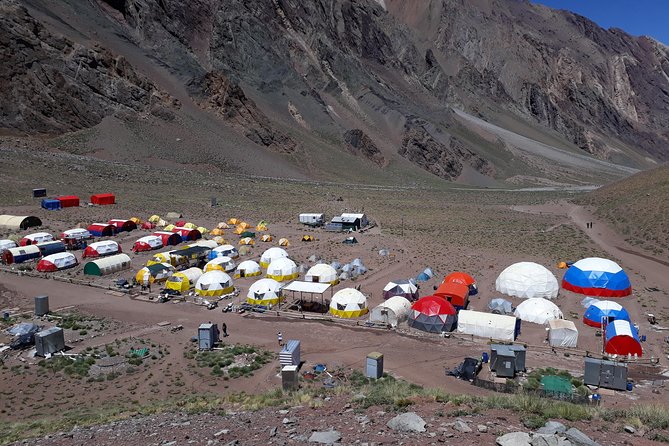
391,312
272,254
214,283
282,269
348,303
223,263
527,280
248,268
322,273
264,292
538,310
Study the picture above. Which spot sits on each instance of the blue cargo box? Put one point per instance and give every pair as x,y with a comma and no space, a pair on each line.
50,204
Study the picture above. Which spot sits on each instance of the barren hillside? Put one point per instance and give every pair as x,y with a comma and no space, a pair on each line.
338,89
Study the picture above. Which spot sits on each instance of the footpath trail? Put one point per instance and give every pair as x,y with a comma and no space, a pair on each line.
654,269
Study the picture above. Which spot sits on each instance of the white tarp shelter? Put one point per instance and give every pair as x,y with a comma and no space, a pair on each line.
391,312
562,333
487,325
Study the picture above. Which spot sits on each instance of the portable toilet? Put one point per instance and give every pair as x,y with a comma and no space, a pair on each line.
207,336
374,365
49,341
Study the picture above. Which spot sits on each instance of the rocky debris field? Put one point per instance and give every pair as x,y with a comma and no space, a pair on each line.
333,420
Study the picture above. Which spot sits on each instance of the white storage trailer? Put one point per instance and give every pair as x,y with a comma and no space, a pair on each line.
312,219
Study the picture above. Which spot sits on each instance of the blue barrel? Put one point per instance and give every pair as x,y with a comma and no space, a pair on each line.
5,315
484,357
643,338
630,386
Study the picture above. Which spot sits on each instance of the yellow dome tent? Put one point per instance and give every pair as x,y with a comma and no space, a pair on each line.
243,225
247,241
138,221
202,230
223,225
308,238
190,225
266,238
284,242
157,273
219,239
182,281
169,228
154,218
233,221
261,227
216,231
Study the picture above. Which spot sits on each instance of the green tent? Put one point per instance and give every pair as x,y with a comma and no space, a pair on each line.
247,234
556,384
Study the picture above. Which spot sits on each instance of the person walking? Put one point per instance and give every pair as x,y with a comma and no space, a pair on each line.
224,329
279,337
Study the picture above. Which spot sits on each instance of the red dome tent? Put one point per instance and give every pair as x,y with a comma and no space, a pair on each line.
456,293
123,225
68,201
103,199
464,279
433,314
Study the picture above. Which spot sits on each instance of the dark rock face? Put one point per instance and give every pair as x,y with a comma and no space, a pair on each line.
443,160
51,85
230,102
257,62
358,143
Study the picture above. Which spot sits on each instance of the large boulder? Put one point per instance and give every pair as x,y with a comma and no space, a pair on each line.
407,422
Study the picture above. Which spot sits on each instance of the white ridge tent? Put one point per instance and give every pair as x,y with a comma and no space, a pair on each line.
538,310
487,325
562,333
527,280
391,312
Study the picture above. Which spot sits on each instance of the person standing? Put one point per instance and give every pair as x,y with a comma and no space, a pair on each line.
224,329
279,337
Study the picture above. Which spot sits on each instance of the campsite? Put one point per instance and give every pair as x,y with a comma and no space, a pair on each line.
449,236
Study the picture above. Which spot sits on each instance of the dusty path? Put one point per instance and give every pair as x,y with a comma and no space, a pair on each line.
656,271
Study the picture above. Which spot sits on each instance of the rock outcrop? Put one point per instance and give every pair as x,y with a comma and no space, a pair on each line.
51,85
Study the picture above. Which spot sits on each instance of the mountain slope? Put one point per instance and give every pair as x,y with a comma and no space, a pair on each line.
305,82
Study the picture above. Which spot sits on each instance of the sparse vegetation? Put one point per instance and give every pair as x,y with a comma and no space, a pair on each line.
231,362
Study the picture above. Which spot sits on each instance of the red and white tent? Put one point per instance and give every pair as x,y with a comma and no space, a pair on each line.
56,262
168,238
148,243
38,237
76,233
123,225
101,249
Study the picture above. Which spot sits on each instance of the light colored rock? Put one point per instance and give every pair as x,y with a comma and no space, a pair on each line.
407,422
552,427
325,437
461,426
629,429
544,440
578,438
514,439
482,428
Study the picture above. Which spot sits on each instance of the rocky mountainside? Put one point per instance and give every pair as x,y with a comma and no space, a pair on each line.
365,81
